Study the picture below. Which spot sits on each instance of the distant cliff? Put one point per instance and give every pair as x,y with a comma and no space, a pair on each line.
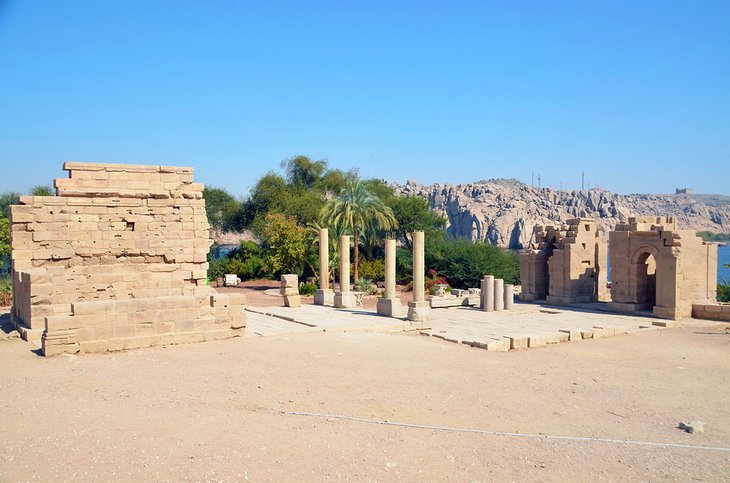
504,211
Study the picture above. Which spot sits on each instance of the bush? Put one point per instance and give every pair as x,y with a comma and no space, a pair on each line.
307,288
365,285
464,262
245,261
374,270
6,291
723,292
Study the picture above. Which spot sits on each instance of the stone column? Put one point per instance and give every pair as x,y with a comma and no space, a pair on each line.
509,296
389,304
325,295
418,308
488,293
498,294
344,298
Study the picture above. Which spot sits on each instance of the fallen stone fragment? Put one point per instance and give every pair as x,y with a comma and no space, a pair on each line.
693,427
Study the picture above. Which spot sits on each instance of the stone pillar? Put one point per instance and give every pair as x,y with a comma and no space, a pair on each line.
509,296
389,304
498,294
488,293
345,298
325,295
418,308
290,290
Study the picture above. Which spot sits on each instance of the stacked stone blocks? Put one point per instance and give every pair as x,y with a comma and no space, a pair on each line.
118,259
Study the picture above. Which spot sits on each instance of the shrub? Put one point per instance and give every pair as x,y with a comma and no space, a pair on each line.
6,291
723,292
307,288
464,262
433,278
365,285
374,270
245,261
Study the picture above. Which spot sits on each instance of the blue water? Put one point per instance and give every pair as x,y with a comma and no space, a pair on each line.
723,258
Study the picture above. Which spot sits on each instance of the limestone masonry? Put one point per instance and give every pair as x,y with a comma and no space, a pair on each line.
654,266
117,260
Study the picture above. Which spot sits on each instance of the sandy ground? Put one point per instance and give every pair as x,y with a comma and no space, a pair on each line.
210,411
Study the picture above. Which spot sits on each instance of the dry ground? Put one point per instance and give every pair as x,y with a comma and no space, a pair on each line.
208,411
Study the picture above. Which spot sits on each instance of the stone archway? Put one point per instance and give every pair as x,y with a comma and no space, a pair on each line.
644,276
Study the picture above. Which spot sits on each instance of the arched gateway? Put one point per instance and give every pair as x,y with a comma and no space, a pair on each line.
656,267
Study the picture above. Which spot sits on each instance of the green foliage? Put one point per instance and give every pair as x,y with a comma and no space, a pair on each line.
463,262
6,199
6,291
4,246
42,190
355,210
364,285
284,244
714,237
4,237
373,270
723,292
413,214
246,261
223,210
307,288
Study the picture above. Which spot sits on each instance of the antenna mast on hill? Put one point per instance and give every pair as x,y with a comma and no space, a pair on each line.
538,181
582,180
532,179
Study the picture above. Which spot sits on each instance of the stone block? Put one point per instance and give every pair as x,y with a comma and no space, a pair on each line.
345,300
292,301
324,297
390,307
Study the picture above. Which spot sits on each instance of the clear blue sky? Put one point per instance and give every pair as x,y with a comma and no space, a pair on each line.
637,93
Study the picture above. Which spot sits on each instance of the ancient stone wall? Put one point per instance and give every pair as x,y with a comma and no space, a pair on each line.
656,267
117,260
566,264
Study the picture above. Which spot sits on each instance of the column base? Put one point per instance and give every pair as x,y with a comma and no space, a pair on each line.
292,301
418,311
324,297
345,300
390,307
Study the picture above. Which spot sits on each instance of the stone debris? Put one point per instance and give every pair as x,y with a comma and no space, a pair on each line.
117,260
694,427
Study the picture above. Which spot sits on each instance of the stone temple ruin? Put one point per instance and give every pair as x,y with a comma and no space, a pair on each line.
117,260
654,266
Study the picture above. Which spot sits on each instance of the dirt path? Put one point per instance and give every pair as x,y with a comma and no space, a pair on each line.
207,411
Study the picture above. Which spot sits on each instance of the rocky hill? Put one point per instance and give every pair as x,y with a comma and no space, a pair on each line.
504,211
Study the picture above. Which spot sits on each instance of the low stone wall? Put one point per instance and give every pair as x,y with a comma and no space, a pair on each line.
711,311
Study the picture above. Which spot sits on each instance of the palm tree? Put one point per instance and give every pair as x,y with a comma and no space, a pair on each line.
355,209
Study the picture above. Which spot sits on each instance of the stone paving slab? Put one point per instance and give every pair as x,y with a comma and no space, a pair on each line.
528,325
329,319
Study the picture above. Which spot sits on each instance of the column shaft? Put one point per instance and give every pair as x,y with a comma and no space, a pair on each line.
324,259
389,269
418,266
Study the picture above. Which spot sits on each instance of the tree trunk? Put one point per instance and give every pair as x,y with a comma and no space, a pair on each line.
355,277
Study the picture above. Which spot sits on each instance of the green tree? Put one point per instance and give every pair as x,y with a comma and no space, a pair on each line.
6,199
4,246
284,244
223,210
42,190
357,209
414,214
303,172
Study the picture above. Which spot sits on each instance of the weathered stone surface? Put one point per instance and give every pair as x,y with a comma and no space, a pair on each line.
504,211
117,260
